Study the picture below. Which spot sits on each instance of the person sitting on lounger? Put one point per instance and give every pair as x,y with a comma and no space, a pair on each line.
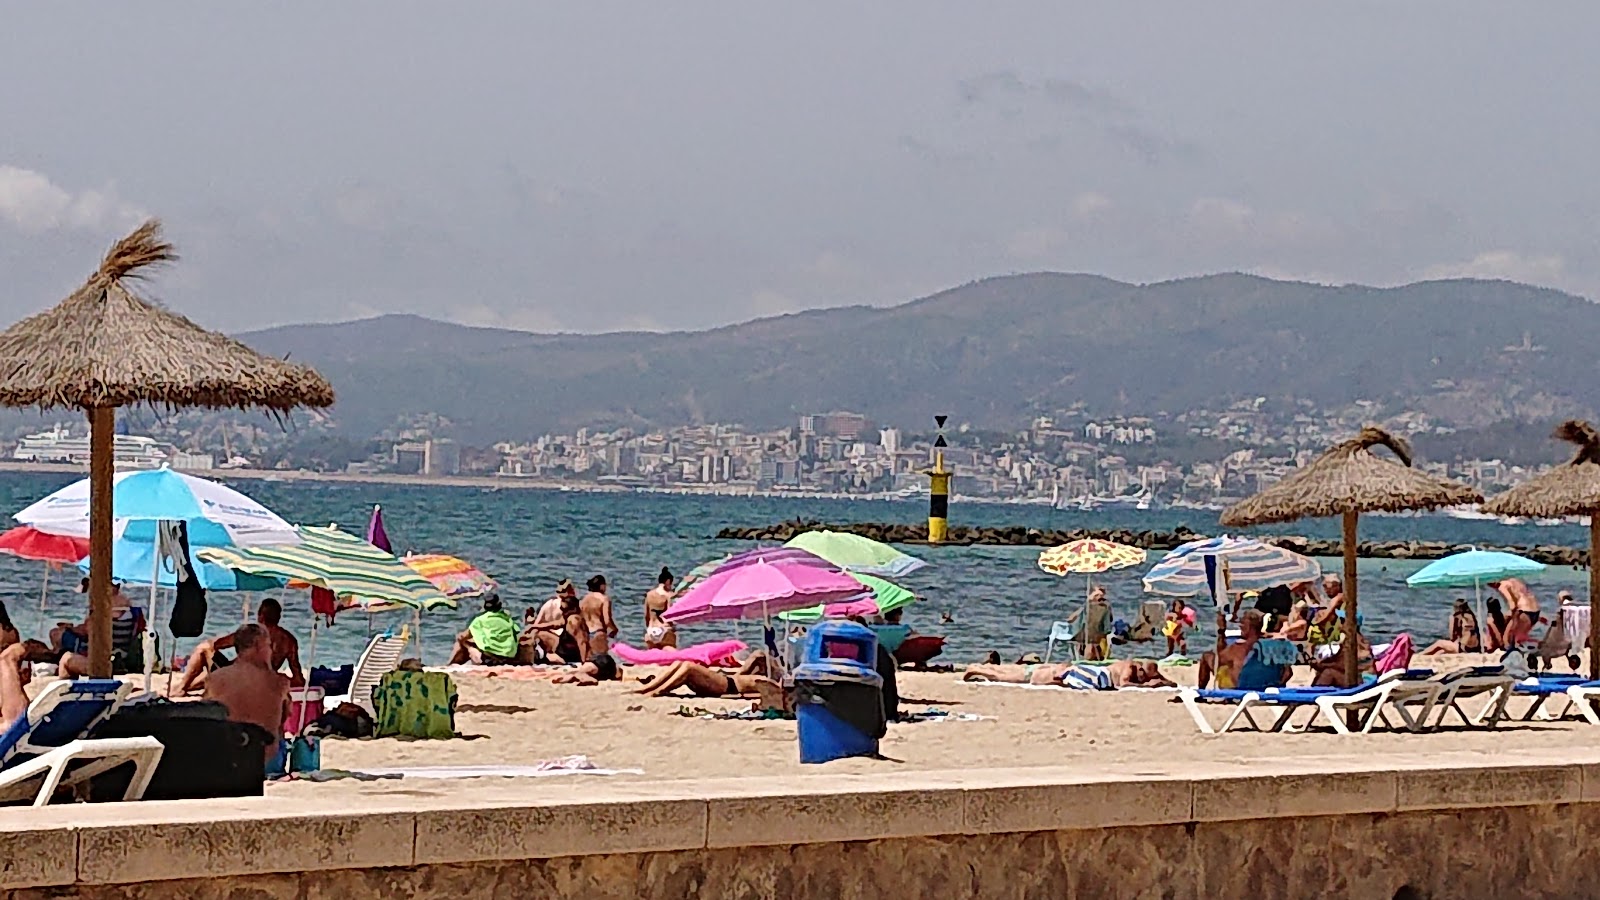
71,642
15,674
1238,666
703,681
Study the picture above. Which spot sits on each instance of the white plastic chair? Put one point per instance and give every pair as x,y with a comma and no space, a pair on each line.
1062,633
381,657
45,749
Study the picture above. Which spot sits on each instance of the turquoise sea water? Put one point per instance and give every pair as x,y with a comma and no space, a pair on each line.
530,539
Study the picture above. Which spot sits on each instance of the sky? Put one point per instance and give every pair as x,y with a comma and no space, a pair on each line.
600,166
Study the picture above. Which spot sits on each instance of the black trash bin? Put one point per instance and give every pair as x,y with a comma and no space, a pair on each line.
204,754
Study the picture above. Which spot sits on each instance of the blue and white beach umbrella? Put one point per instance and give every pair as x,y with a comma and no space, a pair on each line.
216,515
1217,565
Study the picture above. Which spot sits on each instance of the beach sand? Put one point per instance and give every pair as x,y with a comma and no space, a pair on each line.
511,721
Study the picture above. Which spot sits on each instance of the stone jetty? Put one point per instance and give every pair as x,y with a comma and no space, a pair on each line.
1020,536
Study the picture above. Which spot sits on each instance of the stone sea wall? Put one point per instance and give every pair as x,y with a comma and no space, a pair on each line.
1430,826
1017,535
1536,851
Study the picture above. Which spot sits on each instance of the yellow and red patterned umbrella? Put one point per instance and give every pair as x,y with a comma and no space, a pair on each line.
1087,557
455,578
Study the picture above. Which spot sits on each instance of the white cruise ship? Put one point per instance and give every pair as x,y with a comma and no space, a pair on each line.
59,445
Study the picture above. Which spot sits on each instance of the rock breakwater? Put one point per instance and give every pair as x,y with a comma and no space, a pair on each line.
1020,536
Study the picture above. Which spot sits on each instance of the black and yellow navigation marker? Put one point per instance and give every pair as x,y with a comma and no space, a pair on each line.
939,488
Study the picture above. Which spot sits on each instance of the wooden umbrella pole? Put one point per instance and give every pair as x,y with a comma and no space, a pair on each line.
102,434
1594,594
1352,630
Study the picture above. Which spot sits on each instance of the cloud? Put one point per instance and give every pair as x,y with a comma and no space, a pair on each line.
1090,203
1221,213
1005,87
1509,265
1013,96
768,302
1037,243
482,315
35,204
832,265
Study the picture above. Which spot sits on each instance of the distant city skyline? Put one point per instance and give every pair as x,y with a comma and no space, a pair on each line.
596,167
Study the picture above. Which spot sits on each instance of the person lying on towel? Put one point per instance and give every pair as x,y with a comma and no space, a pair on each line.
703,681
1122,673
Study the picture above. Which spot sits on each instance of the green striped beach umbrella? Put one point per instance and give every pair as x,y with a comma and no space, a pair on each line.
886,596
351,568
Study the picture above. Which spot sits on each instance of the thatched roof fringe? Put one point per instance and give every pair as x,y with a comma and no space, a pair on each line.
1569,489
106,347
140,250
1350,478
1581,433
1373,436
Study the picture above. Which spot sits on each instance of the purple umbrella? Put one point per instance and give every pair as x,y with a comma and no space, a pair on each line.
761,589
773,555
377,535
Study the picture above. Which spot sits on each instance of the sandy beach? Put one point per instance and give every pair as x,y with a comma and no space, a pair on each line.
517,721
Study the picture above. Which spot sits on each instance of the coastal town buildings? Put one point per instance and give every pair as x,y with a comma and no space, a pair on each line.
1072,458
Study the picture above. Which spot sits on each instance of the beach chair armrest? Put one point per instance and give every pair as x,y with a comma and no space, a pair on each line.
94,757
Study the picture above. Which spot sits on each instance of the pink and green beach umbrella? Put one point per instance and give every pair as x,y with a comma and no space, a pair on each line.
762,589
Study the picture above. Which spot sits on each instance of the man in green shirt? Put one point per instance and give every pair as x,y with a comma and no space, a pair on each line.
490,638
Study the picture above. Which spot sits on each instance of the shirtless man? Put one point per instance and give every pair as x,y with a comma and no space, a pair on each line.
206,657
597,621
658,632
250,689
1523,607
14,678
548,624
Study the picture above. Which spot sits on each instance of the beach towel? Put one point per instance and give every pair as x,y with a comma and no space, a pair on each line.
1088,678
939,715
567,765
715,653
1276,652
745,715
1395,657
415,704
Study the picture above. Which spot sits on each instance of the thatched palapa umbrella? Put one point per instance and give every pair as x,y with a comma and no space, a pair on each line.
1347,481
103,347
1572,489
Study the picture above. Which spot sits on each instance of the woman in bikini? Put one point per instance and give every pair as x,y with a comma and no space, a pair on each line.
597,620
1463,633
658,632
1494,632
704,681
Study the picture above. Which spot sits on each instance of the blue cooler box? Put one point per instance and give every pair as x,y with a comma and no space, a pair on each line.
839,694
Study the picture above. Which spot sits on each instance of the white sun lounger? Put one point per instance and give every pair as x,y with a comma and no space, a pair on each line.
46,749
381,657
1478,681
1583,697
1374,701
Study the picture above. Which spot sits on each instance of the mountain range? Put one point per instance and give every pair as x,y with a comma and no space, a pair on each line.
992,353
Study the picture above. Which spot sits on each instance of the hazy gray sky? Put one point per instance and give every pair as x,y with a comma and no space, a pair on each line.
591,166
